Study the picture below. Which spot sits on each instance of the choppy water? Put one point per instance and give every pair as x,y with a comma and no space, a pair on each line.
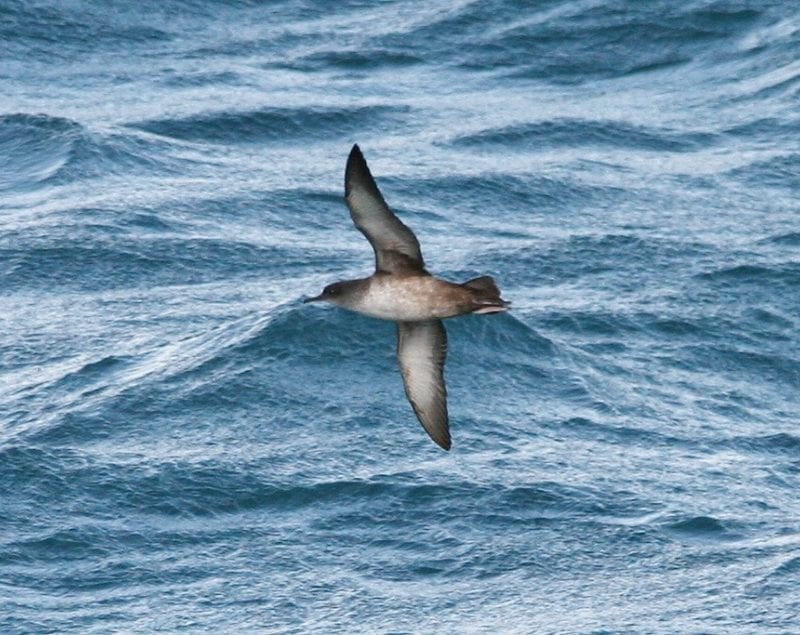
186,447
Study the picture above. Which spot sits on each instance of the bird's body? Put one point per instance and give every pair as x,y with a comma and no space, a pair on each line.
407,297
402,290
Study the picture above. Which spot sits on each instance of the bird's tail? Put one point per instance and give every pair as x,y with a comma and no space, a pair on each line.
486,295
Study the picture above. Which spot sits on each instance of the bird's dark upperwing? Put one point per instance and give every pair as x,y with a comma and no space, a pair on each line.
396,247
421,349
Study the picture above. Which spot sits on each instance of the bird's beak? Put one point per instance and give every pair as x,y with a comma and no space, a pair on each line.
314,299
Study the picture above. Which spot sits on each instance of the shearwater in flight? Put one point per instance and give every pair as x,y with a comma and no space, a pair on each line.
402,290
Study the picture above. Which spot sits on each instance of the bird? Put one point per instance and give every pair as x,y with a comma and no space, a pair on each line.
403,291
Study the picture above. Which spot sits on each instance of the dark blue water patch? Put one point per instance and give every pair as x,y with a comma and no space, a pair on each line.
499,334
580,132
274,124
94,263
765,292
700,528
784,275
782,579
621,434
233,47
779,172
258,369
770,366
210,488
258,374
789,239
583,323
765,129
59,546
402,531
353,60
178,79
60,427
308,209
553,498
206,489
138,220
752,327
92,370
318,335
630,260
35,473
63,30
257,212
778,444
789,567
401,505
606,40
769,325
492,355
304,211
507,196
676,327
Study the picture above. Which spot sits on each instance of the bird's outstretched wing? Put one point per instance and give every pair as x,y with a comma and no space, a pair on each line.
396,247
421,349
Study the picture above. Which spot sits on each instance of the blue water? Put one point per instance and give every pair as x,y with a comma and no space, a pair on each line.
186,447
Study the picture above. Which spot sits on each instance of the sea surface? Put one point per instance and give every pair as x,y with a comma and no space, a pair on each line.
186,447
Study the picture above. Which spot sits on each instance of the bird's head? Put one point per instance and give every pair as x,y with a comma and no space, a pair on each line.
334,293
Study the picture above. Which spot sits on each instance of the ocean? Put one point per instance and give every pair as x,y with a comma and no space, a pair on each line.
187,447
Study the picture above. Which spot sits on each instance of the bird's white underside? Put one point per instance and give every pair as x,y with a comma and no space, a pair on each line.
404,299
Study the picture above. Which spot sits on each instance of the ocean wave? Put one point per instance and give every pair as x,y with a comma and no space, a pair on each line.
629,258
505,194
628,434
44,150
270,124
764,129
730,360
34,148
259,360
701,527
87,259
772,80
779,274
578,132
791,239
59,31
213,487
785,443
354,60
575,42
781,171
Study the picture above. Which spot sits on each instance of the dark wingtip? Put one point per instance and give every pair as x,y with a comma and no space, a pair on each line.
442,440
354,160
357,170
